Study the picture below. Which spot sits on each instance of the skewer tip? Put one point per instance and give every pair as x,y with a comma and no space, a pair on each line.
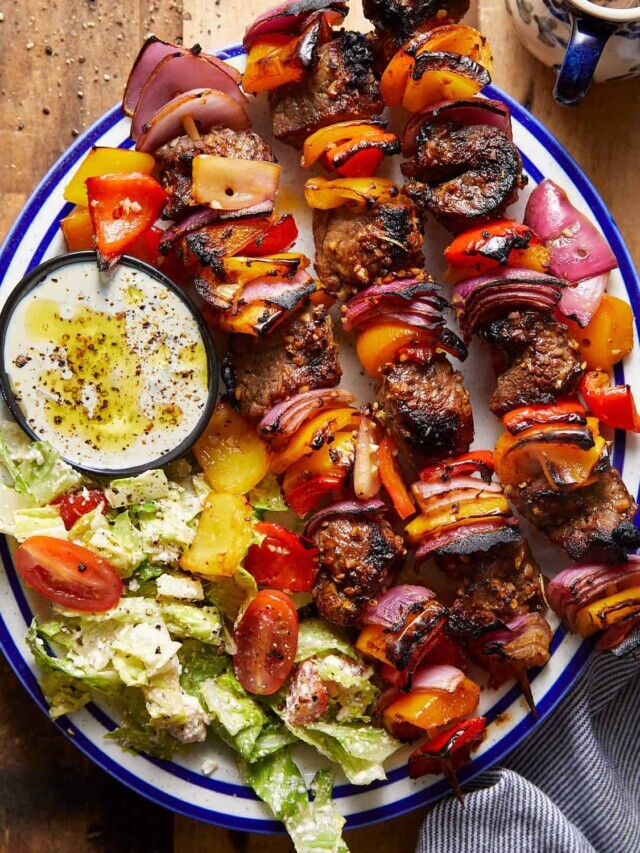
523,681
450,774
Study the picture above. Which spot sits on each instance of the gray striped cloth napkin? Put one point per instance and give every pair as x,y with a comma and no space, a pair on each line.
572,787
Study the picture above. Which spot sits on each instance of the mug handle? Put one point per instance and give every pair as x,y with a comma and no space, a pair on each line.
588,38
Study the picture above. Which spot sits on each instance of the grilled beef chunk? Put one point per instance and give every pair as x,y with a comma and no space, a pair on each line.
358,557
427,409
594,522
176,157
355,247
495,585
298,355
341,87
544,360
463,175
397,20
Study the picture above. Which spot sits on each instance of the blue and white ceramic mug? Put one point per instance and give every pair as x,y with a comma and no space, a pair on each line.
584,40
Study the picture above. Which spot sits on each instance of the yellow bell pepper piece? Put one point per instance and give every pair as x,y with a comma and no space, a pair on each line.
474,509
332,459
230,452
78,230
607,611
105,161
223,535
301,443
429,710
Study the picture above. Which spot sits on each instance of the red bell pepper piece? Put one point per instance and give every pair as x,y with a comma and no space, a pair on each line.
361,164
567,411
277,238
612,405
392,479
304,497
453,746
480,461
122,207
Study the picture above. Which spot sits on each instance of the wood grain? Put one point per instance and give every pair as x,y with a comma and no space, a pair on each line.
62,64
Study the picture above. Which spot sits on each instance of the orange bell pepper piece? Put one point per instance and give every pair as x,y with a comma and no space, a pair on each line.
78,230
608,611
609,336
324,194
392,478
379,343
465,513
310,435
428,710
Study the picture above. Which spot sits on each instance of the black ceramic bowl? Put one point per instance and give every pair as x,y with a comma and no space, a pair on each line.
38,275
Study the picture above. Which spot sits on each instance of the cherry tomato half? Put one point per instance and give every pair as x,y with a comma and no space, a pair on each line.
266,640
68,574
283,560
75,505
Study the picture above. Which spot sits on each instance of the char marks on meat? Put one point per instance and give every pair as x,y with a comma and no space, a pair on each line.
356,247
544,360
358,558
496,585
176,159
593,522
299,355
427,409
463,175
341,87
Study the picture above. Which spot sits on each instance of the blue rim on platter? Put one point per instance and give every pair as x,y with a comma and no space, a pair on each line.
488,758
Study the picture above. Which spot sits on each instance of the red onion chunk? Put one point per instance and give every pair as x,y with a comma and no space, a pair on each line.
366,476
342,508
153,51
581,583
465,111
393,606
207,107
431,488
440,678
286,295
405,296
493,294
578,249
202,216
581,301
614,636
291,18
524,640
286,417
174,75
469,539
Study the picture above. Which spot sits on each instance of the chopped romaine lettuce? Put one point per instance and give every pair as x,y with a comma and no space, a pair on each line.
119,542
267,496
106,681
199,663
232,595
12,501
353,690
359,748
199,623
315,825
44,475
316,637
148,486
224,697
63,694
38,521
136,734
180,586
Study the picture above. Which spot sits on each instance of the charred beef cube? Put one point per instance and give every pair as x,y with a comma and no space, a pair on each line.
495,585
176,158
594,522
341,87
427,409
299,355
396,21
355,247
358,558
463,175
544,360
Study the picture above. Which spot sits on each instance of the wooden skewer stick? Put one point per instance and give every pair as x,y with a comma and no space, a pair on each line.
191,128
450,774
523,681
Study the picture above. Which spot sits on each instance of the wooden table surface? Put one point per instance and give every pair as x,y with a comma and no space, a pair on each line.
62,64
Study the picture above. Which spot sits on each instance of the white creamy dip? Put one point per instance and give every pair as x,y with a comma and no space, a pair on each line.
110,368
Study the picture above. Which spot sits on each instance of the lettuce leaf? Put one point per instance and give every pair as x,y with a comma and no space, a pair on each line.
232,595
314,825
38,521
233,708
317,637
267,496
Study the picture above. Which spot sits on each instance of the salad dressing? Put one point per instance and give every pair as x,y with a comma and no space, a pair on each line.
111,370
